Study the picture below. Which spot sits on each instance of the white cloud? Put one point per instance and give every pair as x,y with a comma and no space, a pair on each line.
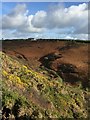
16,18
59,17
58,20
19,19
72,17
77,36
39,19
28,27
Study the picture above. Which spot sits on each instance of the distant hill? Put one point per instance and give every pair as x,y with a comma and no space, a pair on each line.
40,39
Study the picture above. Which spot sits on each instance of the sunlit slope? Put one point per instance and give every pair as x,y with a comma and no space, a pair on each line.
39,94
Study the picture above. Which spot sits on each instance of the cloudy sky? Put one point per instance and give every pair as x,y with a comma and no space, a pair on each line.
45,20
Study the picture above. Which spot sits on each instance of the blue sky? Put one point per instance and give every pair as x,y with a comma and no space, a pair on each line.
44,19
33,7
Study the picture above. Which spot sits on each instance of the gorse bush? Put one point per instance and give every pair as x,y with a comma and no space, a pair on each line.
39,94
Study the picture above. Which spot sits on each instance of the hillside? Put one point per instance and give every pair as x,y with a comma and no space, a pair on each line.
47,83
55,55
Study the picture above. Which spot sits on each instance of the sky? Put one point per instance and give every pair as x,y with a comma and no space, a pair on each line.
68,20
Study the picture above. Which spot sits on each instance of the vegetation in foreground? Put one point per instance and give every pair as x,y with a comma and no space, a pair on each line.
29,94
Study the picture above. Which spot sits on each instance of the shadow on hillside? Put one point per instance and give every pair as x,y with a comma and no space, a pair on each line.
68,72
69,45
49,58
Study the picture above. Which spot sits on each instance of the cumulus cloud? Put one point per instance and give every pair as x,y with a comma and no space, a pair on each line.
16,18
19,19
28,26
60,17
39,19
57,19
